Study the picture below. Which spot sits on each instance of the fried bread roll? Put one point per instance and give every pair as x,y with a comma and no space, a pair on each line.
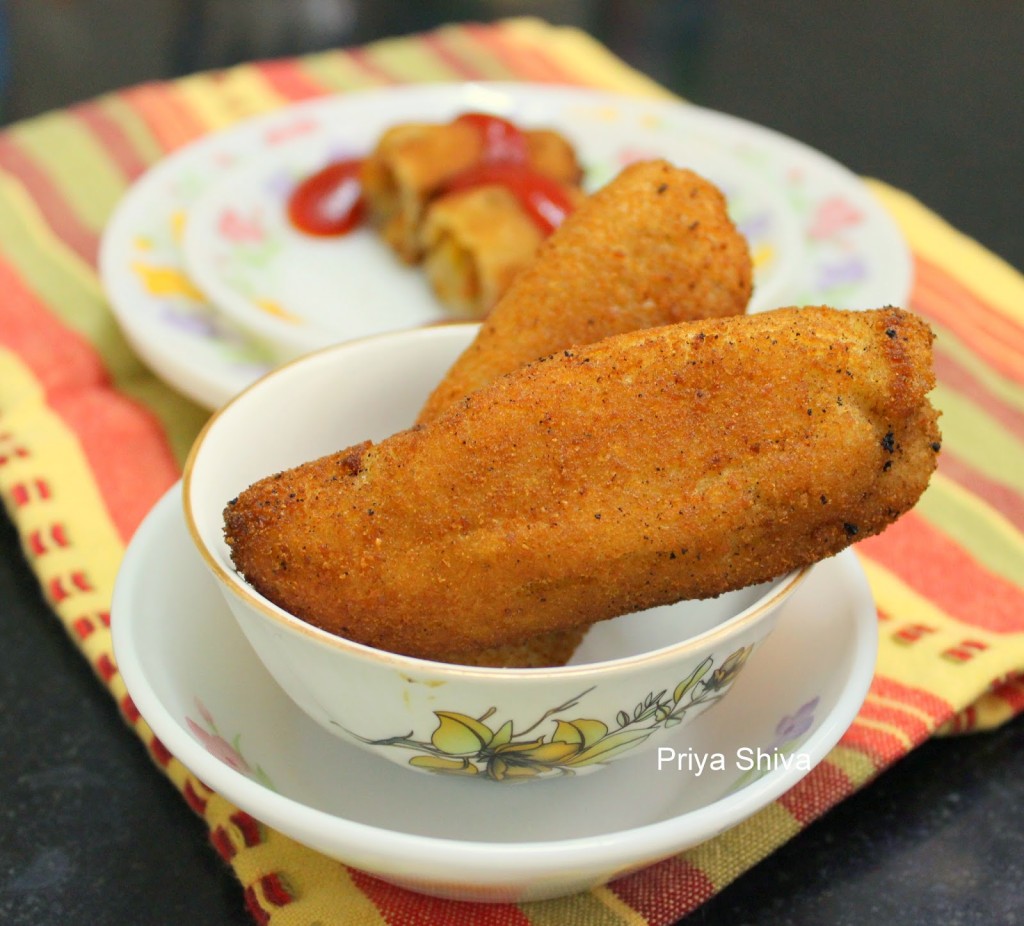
475,242
679,462
653,246
411,163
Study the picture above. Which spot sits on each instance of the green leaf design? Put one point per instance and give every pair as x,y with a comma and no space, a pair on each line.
611,745
582,732
442,764
692,679
465,745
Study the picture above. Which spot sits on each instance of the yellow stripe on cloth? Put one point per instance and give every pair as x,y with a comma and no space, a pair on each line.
90,183
856,765
600,907
79,549
980,530
589,59
980,439
921,659
724,858
223,98
984,273
336,70
70,290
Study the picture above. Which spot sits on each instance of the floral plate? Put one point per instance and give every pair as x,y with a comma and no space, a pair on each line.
300,292
208,698
851,255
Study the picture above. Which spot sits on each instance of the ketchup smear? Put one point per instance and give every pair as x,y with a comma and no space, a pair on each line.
504,141
542,198
330,202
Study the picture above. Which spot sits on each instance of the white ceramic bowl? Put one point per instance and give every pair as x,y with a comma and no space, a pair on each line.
631,683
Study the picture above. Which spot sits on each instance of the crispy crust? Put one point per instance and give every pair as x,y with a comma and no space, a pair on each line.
679,462
654,246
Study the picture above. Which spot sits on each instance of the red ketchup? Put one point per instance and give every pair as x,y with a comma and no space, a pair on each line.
330,202
542,198
504,142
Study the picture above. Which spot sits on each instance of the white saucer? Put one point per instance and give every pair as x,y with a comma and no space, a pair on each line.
299,293
208,698
851,253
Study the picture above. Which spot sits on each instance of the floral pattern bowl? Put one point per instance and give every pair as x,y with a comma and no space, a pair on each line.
631,683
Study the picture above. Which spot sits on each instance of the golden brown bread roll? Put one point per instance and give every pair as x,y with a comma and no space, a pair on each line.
679,462
654,246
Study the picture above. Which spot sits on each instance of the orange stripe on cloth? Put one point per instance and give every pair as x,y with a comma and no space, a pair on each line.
53,206
288,79
938,295
171,122
77,388
661,893
881,746
906,722
398,905
528,61
923,701
931,563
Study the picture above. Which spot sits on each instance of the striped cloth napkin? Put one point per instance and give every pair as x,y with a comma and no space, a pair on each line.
90,439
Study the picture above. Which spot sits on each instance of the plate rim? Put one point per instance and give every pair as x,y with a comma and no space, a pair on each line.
479,863
210,388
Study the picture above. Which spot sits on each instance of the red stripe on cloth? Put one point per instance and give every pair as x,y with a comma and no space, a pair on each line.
52,205
436,42
170,121
921,700
951,374
78,390
1012,694
823,787
1008,502
401,907
288,79
250,829
526,61
909,723
252,904
664,892
939,296
934,566
112,138
363,59
105,423
881,747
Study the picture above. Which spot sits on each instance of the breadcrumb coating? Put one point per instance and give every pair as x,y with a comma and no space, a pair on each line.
673,463
653,246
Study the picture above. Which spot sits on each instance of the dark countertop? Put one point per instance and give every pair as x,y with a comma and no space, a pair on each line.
923,96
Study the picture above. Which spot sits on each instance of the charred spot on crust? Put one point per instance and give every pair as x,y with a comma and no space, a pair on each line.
889,442
851,529
352,461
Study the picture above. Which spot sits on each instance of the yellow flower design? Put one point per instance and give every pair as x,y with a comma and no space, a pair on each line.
464,745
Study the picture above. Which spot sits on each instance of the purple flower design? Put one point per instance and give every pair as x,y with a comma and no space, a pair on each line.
793,725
